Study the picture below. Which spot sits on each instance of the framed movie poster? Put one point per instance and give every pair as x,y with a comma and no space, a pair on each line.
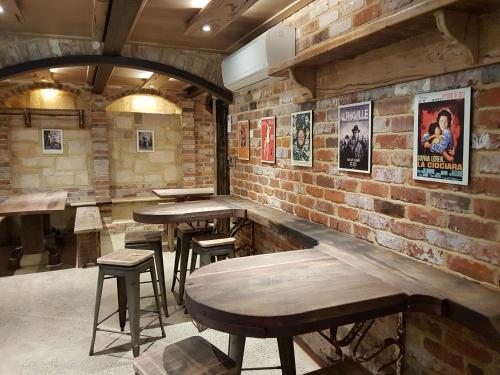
355,134
145,140
301,132
52,141
441,136
268,144
244,140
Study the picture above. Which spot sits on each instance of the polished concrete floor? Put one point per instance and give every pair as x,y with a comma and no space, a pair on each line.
46,320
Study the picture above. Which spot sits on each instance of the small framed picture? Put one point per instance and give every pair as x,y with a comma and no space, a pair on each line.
52,141
145,140
302,147
244,140
441,136
268,144
355,134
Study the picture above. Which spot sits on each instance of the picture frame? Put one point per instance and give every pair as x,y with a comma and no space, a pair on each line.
52,141
355,137
145,140
301,138
441,136
268,140
244,140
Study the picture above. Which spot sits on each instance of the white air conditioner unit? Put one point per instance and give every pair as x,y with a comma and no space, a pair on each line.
247,68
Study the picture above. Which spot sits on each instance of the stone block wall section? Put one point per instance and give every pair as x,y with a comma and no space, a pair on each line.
324,19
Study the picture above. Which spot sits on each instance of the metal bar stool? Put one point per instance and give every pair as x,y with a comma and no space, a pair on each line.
127,266
209,246
185,233
150,240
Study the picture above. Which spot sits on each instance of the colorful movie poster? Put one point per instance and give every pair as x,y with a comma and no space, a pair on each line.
441,136
355,129
243,140
301,132
268,144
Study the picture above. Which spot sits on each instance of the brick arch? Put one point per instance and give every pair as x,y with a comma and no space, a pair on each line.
201,69
19,89
134,91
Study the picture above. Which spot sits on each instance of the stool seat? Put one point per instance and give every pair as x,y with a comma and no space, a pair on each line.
193,355
213,240
142,237
125,257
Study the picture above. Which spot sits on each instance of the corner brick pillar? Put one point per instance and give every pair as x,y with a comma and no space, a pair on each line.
5,171
188,145
102,179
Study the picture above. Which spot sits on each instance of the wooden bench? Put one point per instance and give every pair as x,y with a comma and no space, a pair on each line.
193,355
346,367
88,226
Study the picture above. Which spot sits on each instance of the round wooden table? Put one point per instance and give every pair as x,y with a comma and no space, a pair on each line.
285,294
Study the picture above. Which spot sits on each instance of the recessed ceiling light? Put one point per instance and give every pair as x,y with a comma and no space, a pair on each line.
206,28
145,75
151,86
199,3
45,80
172,79
1,9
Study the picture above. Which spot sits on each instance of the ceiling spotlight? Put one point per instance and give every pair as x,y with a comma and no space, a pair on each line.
145,75
1,9
206,28
45,80
151,86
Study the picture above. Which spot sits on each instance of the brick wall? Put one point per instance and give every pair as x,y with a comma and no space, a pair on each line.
204,142
455,228
5,169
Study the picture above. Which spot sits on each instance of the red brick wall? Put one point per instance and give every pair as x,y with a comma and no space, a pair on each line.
204,136
455,228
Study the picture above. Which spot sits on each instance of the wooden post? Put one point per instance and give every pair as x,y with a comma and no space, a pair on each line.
221,167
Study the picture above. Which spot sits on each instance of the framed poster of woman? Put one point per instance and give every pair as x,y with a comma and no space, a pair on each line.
244,140
301,133
268,139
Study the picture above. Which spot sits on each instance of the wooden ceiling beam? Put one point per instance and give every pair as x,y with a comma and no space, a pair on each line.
152,82
122,15
218,14
99,13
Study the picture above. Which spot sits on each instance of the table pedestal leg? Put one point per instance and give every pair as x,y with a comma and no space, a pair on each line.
32,230
287,356
171,236
236,350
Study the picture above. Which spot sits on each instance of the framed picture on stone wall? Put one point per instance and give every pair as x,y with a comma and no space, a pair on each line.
52,141
355,134
244,140
441,136
268,139
301,133
145,140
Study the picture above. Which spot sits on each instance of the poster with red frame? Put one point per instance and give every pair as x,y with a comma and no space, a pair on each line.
268,140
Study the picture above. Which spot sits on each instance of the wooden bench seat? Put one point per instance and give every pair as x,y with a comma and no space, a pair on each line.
346,367
88,226
193,355
142,236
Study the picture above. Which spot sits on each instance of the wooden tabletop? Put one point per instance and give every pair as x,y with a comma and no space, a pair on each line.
187,211
285,294
34,203
184,192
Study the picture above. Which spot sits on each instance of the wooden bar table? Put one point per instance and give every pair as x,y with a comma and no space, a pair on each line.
181,195
285,294
34,210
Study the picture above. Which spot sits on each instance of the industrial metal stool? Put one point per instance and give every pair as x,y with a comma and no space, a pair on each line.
185,233
150,240
127,266
193,355
209,246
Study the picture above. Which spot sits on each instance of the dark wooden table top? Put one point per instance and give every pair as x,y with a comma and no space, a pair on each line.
184,192
33,203
186,212
286,294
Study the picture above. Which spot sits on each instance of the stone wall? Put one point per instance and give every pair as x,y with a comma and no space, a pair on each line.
454,228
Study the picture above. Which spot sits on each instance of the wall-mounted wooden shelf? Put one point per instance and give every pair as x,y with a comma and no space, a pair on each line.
28,112
468,24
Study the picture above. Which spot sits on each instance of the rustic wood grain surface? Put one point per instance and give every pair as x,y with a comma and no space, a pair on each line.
183,193
34,203
87,219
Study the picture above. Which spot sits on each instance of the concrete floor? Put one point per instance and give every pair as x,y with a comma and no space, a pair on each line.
46,320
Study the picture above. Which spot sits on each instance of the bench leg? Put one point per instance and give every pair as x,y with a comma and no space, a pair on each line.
122,302
132,281
100,282
236,350
287,356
